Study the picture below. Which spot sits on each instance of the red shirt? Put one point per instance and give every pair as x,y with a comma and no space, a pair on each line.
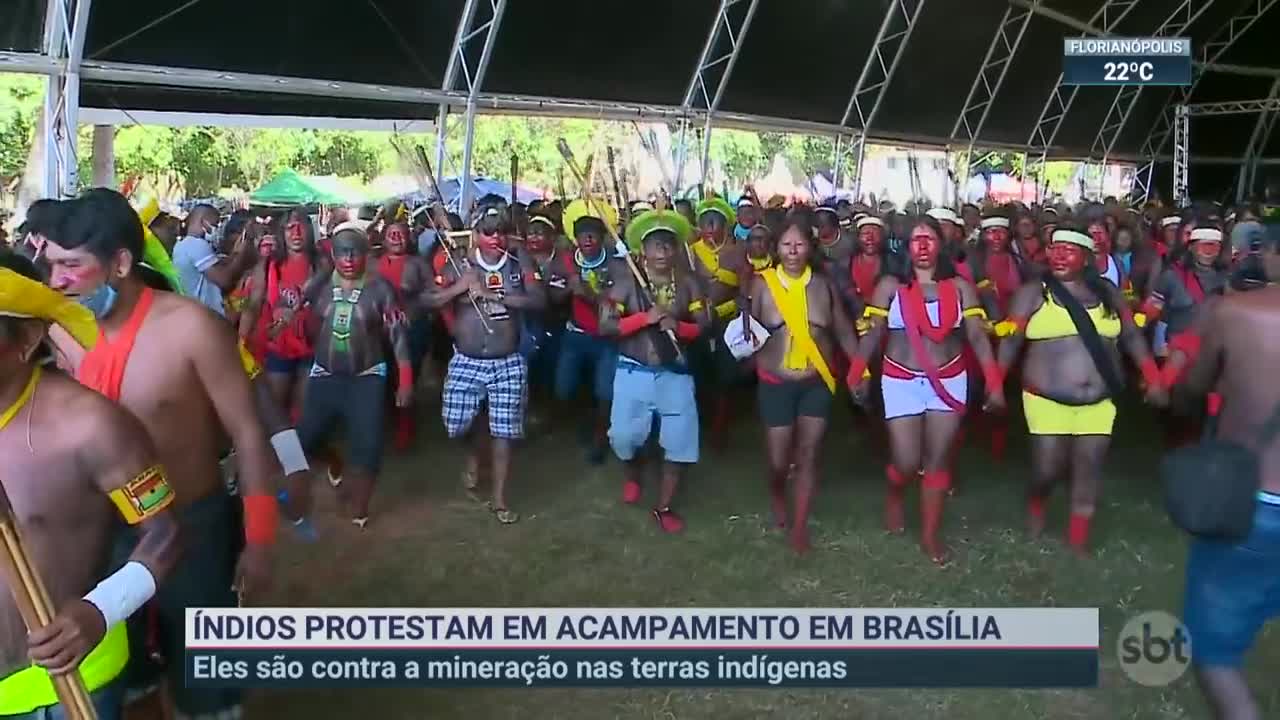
284,283
583,312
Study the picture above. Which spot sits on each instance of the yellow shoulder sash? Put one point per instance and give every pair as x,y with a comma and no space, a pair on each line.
793,308
711,259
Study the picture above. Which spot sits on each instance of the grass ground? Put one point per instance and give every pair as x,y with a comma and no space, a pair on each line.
576,545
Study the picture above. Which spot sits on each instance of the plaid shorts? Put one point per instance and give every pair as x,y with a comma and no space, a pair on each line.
471,381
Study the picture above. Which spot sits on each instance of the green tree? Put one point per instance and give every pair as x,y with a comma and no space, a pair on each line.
20,98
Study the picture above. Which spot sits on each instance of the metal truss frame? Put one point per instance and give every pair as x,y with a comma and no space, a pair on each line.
472,26
1212,51
1117,117
986,85
1181,154
1235,107
710,78
895,32
64,32
1059,102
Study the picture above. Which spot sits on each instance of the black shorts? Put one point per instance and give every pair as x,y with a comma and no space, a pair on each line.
782,402
213,528
357,403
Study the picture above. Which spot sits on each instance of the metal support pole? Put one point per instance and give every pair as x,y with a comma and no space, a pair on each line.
1181,153
1257,142
1059,102
1175,25
1212,51
470,27
982,94
730,26
894,34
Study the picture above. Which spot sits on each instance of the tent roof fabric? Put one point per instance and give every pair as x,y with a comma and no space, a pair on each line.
288,188
799,60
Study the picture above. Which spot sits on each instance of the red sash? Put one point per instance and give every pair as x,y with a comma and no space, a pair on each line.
102,368
963,270
865,275
918,327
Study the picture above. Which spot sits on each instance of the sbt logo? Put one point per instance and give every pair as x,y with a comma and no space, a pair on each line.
1154,649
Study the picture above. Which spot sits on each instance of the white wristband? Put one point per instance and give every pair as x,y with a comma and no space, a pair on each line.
120,595
289,452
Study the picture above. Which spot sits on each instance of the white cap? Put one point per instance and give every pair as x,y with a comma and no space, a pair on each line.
1204,233
1170,220
942,214
995,222
1073,237
870,220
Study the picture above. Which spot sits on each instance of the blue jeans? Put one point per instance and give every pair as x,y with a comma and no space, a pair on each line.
108,700
642,393
1233,589
583,355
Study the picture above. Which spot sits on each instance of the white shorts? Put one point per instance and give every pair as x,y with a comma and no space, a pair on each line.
916,396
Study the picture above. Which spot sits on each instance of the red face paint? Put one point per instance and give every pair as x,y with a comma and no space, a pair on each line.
351,267
73,272
295,237
923,247
397,239
997,239
1101,239
1206,251
1067,260
869,240
266,245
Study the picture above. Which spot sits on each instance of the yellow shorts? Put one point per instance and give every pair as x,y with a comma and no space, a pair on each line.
1048,417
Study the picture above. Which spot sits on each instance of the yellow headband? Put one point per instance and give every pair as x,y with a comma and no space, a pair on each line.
1073,237
23,297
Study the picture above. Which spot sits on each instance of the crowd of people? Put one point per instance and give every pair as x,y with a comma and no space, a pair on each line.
220,359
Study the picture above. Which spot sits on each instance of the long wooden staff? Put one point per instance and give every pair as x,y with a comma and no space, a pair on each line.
515,175
642,281
619,197
421,168
36,608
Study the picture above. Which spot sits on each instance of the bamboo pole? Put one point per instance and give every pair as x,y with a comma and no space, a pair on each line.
36,607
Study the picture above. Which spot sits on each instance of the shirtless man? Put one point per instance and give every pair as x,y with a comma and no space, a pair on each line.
653,380
796,381
487,368
1233,589
66,451
355,311
409,275
176,367
720,265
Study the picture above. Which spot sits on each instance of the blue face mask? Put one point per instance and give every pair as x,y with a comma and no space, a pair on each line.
100,301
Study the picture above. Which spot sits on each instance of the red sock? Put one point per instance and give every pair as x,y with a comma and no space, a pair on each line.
932,501
937,480
404,428
896,480
1078,530
1035,506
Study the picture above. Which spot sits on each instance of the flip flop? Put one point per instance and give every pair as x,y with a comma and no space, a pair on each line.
505,516
668,521
470,482
333,481
360,522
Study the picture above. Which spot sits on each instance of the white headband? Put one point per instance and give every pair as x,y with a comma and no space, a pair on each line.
944,215
360,226
826,208
640,206
1210,234
870,220
745,203
1073,237
995,222
544,220
1170,220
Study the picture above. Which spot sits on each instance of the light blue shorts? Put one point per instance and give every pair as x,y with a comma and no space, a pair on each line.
641,393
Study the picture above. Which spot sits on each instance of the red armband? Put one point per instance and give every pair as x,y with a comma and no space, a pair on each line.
1213,404
687,331
261,518
632,324
405,376
1151,373
1188,343
992,376
857,366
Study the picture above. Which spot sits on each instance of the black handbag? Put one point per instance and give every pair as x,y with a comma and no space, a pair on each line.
1211,488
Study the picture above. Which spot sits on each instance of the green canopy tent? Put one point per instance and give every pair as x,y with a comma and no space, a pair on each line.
288,189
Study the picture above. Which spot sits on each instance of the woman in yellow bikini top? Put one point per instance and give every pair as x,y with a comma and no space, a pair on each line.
1067,389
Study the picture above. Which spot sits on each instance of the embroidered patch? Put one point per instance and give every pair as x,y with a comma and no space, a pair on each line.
143,496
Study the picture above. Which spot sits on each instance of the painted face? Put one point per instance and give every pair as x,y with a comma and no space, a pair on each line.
748,215
870,239
266,245
659,248
1025,227
711,226
793,250
828,227
758,242
350,255
397,238
295,235
77,272
1067,260
997,239
923,247
589,243
1101,238
538,239
954,232
1206,251
489,238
